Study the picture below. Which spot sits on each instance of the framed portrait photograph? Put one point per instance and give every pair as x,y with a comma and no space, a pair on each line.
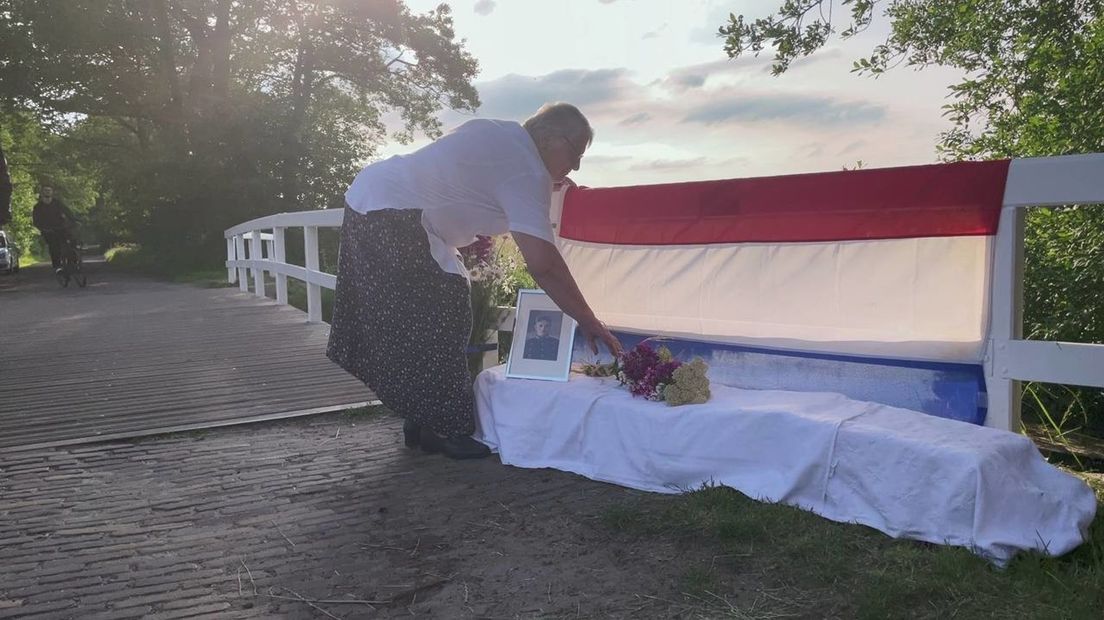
543,339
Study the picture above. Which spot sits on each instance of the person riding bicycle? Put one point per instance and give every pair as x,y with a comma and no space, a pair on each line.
56,222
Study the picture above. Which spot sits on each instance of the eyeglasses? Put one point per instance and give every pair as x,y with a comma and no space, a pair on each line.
574,149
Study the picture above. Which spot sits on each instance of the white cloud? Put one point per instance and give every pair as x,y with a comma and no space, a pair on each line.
667,106
852,147
484,7
818,111
518,96
612,96
654,34
636,119
668,164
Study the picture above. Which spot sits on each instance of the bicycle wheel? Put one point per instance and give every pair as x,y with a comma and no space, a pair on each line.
80,277
62,275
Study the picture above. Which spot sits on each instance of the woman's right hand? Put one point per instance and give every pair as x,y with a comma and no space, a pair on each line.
598,332
548,268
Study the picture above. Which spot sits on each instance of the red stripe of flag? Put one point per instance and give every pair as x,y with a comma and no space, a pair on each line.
939,200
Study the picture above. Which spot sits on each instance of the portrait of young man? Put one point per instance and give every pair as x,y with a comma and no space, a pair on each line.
540,343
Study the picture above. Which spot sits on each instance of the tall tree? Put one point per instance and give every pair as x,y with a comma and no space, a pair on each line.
202,113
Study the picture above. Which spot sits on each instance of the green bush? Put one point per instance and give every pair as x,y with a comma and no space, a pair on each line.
1064,301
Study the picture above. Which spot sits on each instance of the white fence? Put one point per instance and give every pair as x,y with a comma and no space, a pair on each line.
1009,359
260,246
240,263
1035,182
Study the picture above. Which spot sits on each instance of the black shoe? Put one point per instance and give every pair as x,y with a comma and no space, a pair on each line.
411,434
462,447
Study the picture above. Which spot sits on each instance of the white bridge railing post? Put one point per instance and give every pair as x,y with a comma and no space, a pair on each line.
255,255
314,291
1007,320
267,252
1009,359
279,255
231,256
239,247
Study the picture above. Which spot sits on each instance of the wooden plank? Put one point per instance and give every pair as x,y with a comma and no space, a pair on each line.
1073,363
130,356
199,424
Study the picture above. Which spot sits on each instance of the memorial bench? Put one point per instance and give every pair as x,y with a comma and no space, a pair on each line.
863,335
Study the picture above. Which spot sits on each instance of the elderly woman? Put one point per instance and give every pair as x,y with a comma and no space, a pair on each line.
402,310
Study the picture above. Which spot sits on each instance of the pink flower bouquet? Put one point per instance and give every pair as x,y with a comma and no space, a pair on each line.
656,375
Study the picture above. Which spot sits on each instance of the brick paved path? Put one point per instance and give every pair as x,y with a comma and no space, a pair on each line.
327,508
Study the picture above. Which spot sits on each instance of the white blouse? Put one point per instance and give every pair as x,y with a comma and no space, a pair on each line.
483,178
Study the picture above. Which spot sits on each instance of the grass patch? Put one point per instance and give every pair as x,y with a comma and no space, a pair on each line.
819,568
628,519
207,278
369,411
134,259
699,581
28,258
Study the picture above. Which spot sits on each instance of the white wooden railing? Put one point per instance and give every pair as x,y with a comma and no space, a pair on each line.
1009,359
241,264
260,246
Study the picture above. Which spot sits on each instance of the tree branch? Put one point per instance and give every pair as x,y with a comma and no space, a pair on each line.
166,49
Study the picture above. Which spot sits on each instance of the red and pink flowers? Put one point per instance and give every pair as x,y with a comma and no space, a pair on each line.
657,375
647,371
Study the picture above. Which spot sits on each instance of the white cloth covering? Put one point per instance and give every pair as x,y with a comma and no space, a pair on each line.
486,177
905,473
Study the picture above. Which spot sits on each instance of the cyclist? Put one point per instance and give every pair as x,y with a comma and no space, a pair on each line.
55,221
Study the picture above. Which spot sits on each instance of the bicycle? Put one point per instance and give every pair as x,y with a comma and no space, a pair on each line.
72,264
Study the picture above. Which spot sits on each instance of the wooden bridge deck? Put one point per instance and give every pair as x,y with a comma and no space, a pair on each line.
130,356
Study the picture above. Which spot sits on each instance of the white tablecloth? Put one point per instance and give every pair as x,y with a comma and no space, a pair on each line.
905,473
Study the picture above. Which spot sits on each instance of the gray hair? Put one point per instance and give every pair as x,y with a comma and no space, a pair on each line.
559,119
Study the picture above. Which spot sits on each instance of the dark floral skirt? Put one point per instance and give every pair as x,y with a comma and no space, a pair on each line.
401,323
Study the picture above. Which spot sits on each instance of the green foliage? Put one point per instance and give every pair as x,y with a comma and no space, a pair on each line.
494,266
26,259
1065,259
510,276
517,275
135,259
200,114
36,156
1064,301
788,32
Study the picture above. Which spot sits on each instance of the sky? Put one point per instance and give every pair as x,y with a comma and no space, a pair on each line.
668,105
